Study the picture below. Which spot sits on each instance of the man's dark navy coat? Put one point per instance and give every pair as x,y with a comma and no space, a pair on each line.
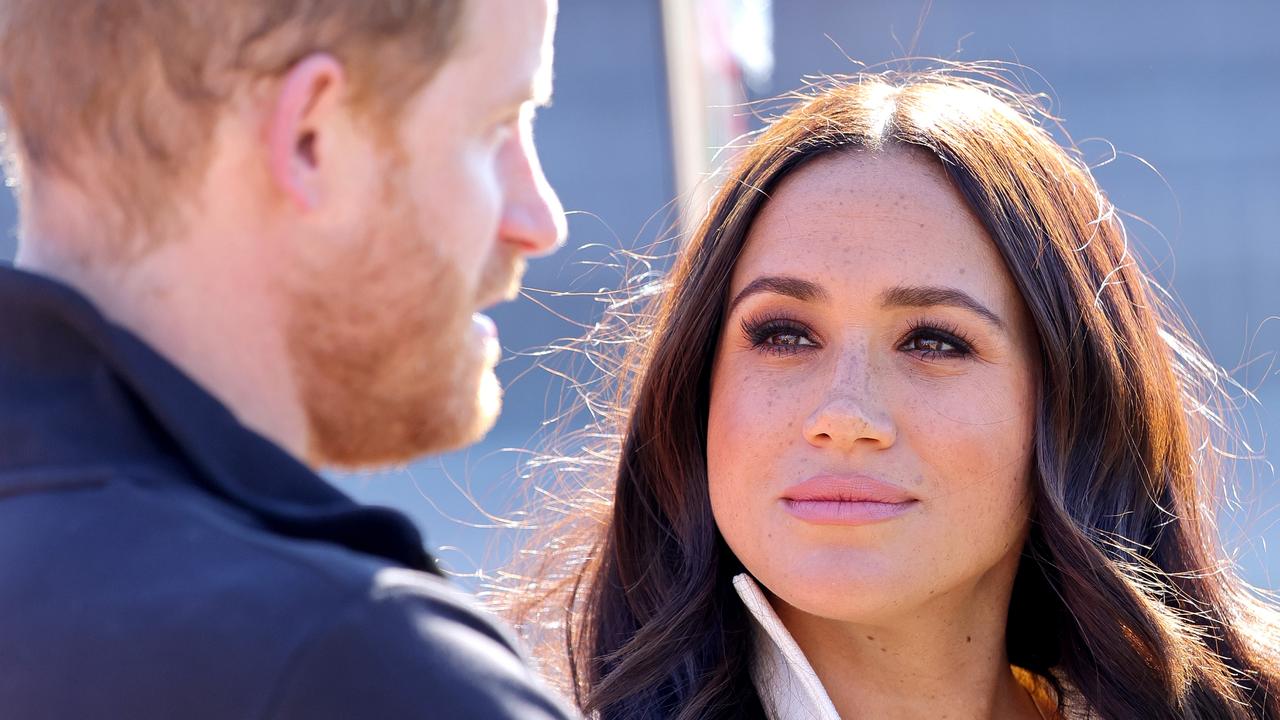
158,560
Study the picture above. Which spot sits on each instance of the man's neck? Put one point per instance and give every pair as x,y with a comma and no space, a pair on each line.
190,301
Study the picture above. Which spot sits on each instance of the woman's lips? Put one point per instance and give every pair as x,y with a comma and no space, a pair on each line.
846,500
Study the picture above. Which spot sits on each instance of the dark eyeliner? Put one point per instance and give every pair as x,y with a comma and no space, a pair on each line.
944,332
758,329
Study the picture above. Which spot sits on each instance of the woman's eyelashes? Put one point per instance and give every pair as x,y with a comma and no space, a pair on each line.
777,335
936,341
783,335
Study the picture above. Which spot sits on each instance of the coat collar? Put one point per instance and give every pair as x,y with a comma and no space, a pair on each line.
79,394
788,686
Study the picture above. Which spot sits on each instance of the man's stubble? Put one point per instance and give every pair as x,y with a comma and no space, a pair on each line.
380,337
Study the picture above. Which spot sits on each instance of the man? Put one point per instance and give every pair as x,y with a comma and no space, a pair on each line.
253,238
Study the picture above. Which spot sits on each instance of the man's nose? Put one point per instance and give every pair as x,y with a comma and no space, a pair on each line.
532,217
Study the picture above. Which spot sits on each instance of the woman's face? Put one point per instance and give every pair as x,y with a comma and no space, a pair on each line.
870,433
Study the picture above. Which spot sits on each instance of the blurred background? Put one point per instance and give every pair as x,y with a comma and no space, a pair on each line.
1183,95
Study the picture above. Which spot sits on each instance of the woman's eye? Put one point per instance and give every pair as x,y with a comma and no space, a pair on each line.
787,339
935,344
779,338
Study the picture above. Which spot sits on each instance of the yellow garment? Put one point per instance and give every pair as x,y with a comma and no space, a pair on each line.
1040,690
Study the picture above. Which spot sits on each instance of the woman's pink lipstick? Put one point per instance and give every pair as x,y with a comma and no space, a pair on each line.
846,500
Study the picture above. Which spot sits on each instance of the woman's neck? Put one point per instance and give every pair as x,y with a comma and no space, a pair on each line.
946,659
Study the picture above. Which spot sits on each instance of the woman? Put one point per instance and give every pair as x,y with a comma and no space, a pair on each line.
911,437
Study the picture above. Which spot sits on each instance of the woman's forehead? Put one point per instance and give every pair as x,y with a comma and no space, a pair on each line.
852,212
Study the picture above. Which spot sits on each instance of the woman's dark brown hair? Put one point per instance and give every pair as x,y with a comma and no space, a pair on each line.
1123,593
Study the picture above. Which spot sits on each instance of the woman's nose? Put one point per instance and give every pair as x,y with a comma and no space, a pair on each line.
850,413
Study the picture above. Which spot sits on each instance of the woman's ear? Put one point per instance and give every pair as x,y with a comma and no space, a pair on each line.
302,118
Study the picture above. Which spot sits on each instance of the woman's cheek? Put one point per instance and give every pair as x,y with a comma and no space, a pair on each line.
746,404
747,429
974,440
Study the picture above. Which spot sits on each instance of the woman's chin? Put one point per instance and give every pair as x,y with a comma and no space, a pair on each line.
855,590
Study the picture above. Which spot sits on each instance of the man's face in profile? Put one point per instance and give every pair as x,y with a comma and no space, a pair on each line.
390,360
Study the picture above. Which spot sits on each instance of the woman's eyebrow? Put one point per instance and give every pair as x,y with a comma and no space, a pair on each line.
900,296
928,296
793,287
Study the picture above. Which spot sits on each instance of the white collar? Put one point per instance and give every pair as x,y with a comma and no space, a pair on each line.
788,687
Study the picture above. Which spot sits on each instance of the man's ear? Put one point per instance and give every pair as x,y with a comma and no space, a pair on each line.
305,106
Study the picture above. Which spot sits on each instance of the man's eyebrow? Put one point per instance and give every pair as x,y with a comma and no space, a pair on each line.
928,296
792,287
